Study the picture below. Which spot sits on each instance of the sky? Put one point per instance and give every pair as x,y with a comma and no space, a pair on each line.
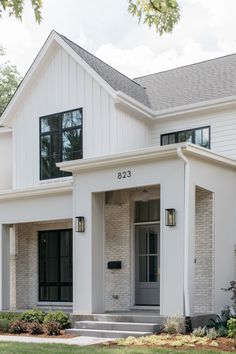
207,30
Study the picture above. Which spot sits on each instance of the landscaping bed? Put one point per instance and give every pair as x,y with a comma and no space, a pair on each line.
175,341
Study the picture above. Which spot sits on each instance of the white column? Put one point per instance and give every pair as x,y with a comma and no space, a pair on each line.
88,254
4,268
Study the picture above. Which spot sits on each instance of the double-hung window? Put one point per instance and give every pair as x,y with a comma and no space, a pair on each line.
60,140
198,136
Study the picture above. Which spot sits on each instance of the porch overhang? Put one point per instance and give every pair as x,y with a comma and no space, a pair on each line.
146,155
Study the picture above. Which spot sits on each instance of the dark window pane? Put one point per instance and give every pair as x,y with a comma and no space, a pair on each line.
55,171
55,145
153,268
45,168
55,265
142,268
165,139
71,119
142,241
172,138
141,211
50,124
154,210
147,211
152,242
45,145
206,138
71,141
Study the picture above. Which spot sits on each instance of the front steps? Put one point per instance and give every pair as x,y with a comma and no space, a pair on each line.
115,325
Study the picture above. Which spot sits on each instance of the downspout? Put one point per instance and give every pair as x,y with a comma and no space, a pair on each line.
186,229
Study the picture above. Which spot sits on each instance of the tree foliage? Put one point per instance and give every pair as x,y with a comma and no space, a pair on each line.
15,8
9,80
160,14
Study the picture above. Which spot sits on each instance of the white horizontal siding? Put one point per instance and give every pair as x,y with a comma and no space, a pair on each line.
61,85
222,123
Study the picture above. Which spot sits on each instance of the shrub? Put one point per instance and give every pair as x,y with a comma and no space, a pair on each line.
199,332
35,328
34,315
10,316
231,324
52,328
222,332
4,325
212,333
174,325
18,326
59,317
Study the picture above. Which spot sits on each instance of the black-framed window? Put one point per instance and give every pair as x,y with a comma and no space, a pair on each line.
60,140
55,265
198,136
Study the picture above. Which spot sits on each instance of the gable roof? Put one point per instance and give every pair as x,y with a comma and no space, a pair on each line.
114,78
204,81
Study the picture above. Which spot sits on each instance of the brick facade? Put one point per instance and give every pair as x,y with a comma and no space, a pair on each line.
204,252
24,263
118,248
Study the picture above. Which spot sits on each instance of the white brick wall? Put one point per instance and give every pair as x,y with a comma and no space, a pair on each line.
204,252
24,284
118,248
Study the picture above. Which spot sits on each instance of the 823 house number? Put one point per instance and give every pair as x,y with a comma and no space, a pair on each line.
124,174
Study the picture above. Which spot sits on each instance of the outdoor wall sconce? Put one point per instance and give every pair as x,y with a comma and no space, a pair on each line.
79,224
170,217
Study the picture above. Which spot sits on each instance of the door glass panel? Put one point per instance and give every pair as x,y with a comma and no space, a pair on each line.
152,268
142,242
142,268
152,242
154,210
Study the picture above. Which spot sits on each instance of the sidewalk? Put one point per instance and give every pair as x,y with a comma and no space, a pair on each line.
82,341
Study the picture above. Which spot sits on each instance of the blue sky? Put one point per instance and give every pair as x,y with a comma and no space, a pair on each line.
207,30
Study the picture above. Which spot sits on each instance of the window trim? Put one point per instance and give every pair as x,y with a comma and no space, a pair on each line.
185,130
60,132
54,283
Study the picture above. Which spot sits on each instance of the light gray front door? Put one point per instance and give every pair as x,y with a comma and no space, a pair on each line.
147,265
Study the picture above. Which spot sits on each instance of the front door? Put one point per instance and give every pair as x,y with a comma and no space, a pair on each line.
147,264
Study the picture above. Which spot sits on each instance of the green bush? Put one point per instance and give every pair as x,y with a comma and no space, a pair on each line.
59,317
34,315
18,326
52,328
231,324
212,333
4,325
10,316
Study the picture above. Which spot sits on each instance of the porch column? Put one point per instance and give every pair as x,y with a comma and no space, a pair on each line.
88,264
4,268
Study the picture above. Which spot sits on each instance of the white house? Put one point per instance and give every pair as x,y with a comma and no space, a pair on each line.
80,139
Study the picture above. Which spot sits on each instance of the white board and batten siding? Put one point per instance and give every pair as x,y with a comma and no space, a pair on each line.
222,129
61,85
5,160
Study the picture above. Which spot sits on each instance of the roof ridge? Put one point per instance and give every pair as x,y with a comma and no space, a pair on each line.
184,66
136,83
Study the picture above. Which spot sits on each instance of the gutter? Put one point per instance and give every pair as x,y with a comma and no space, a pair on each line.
186,228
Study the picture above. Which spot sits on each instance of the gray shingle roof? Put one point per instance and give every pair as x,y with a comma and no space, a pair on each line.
194,83
114,78
189,84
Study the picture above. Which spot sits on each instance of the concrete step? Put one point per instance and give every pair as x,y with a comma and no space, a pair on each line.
106,333
126,317
118,326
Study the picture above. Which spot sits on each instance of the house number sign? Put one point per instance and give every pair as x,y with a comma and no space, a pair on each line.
124,174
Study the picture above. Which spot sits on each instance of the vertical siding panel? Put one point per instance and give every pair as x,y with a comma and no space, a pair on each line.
88,116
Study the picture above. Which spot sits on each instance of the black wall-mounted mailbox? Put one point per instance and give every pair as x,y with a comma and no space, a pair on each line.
114,265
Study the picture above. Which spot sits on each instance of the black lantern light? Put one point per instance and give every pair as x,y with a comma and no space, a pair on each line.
80,224
170,217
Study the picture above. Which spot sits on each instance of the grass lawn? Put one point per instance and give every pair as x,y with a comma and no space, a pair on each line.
21,348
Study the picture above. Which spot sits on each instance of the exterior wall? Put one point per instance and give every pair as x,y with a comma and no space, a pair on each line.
62,85
221,181
222,123
25,262
204,252
88,246
117,248
5,160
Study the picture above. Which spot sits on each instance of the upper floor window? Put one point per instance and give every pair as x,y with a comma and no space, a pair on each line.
60,140
198,136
